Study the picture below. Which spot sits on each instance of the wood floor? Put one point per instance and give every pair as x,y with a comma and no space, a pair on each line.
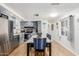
57,50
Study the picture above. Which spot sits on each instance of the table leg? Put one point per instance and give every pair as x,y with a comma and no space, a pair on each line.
50,50
27,49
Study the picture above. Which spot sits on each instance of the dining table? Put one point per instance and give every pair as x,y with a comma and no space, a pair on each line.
30,44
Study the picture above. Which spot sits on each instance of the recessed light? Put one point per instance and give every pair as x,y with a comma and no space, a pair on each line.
53,14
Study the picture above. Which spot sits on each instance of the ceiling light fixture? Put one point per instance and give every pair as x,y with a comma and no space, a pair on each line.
53,14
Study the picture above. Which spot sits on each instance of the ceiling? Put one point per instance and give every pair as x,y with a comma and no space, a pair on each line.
28,10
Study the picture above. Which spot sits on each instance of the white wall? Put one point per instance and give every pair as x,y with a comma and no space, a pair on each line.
54,33
49,28
44,27
64,40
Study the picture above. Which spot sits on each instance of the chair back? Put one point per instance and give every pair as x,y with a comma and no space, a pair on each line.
49,36
39,43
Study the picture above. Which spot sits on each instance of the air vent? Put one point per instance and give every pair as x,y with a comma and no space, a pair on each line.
36,14
53,4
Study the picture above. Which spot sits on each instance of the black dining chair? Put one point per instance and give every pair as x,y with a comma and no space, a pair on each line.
49,36
39,46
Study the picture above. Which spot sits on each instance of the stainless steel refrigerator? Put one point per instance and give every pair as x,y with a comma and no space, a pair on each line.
6,36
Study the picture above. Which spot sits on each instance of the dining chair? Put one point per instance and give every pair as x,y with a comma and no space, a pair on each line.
39,46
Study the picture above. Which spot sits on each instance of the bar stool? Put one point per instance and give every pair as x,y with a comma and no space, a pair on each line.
39,46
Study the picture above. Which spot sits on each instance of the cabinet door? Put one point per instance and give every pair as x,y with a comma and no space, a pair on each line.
11,39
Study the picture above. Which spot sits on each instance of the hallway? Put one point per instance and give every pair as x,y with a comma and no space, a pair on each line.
57,50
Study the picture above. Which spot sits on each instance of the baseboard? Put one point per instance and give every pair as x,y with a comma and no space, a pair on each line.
67,48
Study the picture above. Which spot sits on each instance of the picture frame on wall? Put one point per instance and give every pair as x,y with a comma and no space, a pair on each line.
65,26
52,27
62,28
62,32
57,25
66,33
66,23
62,23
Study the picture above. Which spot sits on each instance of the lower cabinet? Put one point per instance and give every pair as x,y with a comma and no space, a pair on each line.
7,46
16,41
